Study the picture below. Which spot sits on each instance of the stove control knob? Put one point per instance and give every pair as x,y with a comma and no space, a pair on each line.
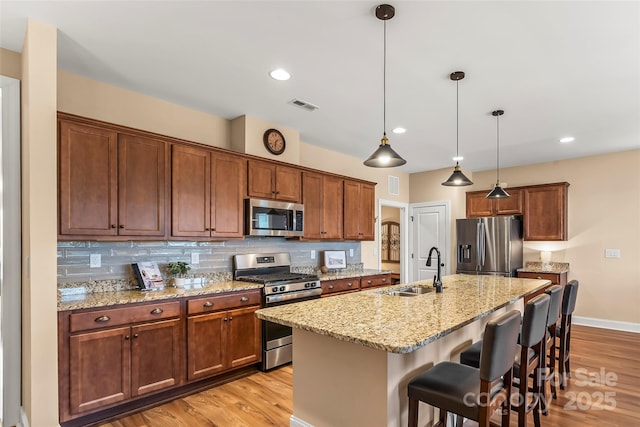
282,288
274,289
307,285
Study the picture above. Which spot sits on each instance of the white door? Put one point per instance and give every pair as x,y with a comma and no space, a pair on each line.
429,228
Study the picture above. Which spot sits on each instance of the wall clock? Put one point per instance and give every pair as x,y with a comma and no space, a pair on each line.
274,141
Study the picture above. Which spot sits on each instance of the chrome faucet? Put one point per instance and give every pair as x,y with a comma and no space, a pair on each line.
437,279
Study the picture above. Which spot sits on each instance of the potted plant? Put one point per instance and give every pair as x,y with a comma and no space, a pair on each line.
178,270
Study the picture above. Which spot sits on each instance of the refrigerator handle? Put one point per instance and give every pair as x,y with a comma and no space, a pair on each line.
478,260
481,245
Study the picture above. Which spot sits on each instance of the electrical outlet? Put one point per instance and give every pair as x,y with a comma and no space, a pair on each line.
351,252
95,261
313,254
195,258
612,253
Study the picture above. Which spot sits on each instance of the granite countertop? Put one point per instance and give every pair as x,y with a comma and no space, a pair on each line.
74,300
539,267
349,274
403,324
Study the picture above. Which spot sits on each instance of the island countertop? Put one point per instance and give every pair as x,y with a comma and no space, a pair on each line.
403,324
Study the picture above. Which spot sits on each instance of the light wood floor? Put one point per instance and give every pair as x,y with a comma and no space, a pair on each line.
604,392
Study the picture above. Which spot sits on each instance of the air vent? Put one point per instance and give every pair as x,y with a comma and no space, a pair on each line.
394,185
304,105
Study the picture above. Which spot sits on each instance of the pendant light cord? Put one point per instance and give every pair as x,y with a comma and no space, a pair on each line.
498,148
457,107
384,79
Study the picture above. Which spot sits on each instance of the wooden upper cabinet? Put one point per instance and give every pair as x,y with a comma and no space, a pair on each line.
270,181
207,193
478,205
323,204
546,211
141,186
87,180
359,218
110,184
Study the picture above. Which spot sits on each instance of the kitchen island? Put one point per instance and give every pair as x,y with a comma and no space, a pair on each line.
354,354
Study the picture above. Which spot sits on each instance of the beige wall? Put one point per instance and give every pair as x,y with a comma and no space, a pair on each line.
604,212
247,133
10,64
90,98
39,315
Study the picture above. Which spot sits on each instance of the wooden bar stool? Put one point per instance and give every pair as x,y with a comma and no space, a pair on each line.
563,332
529,360
473,393
555,303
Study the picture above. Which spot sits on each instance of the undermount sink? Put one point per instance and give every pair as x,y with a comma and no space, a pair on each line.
408,291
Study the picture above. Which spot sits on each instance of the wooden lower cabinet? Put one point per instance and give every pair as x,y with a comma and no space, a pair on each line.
375,281
218,341
555,278
113,365
340,286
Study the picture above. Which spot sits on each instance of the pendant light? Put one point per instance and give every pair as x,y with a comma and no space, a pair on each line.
384,156
457,178
498,192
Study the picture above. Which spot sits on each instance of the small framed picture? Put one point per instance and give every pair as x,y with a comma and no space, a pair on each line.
335,259
148,275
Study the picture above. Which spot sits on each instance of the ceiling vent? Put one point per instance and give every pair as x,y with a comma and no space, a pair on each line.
304,105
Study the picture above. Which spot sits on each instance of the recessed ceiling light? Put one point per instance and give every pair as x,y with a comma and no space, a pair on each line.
458,158
567,139
399,130
280,74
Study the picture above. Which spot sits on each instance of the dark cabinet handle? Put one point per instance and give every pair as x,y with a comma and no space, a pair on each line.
349,284
121,226
330,286
213,229
225,319
538,277
135,335
113,226
157,311
244,299
230,318
102,319
384,279
368,282
126,337
208,304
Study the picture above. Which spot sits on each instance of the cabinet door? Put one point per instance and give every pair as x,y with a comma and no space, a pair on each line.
511,205
332,204
312,200
545,212
155,356
244,337
190,192
141,186
206,345
261,179
478,205
351,210
287,184
87,180
367,216
228,183
99,369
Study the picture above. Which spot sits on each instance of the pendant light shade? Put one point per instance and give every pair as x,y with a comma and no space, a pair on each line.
384,156
498,192
457,178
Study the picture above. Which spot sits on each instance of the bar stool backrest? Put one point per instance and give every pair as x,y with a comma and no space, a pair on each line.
569,297
534,320
499,345
555,293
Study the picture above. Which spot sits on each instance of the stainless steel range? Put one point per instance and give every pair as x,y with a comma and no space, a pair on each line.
281,286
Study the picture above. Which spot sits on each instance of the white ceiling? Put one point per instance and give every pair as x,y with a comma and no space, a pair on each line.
557,68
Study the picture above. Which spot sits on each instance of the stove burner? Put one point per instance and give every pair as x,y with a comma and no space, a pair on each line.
277,277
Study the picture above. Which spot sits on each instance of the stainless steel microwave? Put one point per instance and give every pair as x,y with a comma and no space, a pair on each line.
272,218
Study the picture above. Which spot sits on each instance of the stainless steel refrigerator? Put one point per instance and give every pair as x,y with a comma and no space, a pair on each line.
491,245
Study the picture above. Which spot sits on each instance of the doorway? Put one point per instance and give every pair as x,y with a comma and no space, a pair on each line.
393,249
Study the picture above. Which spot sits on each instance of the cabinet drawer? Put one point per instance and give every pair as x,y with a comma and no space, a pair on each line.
373,281
340,285
123,316
553,277
222,302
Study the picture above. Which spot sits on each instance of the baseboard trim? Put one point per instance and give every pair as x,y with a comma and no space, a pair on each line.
297,422
606,324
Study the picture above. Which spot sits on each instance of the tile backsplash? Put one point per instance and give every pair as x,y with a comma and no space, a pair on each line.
214,257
